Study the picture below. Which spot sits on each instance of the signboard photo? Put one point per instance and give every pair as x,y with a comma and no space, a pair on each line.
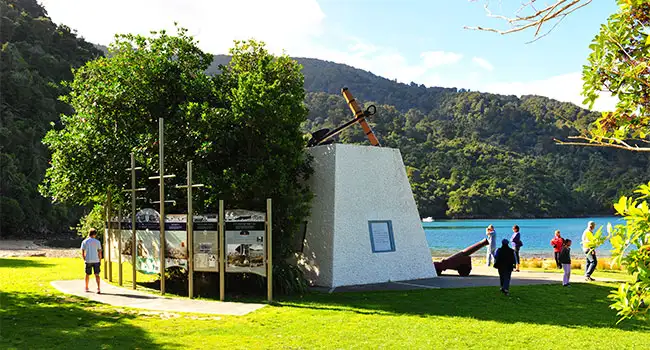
206,246
245,247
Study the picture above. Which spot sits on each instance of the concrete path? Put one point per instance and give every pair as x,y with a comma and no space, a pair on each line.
118,296
481,276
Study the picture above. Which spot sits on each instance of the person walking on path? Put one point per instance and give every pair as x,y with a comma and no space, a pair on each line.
590,253
565,260
492,244
556,243
91,251
516,244
504,262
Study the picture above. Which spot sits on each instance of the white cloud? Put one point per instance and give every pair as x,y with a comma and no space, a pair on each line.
483,63
433,59
282,24
566,88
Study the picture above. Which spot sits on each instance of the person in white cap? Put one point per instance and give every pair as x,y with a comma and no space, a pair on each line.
590,253
492,244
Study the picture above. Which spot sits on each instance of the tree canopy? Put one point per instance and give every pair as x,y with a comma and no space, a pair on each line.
241,128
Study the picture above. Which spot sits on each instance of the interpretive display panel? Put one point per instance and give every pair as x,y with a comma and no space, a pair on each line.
148,241
245,247
381,236
206,246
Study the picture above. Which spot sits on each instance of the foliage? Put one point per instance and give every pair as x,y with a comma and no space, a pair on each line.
94,219
619,64
35,57
631,247
443,318
117,102
256,144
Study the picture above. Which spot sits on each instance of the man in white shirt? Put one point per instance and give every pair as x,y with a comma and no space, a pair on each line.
91,251
590,253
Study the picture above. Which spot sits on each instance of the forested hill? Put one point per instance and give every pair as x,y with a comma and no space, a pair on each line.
36,56
472,154
468,154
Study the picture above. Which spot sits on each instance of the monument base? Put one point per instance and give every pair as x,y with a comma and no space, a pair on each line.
364,226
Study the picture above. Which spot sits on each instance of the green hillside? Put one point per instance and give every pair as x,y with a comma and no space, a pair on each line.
36,56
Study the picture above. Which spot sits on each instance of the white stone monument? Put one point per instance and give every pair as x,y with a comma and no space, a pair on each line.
364,226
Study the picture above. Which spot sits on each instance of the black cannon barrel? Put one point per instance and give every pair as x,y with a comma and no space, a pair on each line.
474,247
471,249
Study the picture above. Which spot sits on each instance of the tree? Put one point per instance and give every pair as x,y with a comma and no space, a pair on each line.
619,65
241,128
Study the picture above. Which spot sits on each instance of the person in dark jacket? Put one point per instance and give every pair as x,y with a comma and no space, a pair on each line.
565,260
516,244
505,263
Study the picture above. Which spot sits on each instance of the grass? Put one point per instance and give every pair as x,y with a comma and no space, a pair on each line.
35,316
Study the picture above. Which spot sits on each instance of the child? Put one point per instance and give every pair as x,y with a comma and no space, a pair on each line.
565,260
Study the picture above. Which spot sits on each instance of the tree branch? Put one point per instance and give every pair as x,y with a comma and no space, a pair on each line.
557,10
596,143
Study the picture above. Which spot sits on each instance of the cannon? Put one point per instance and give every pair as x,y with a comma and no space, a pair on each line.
461,261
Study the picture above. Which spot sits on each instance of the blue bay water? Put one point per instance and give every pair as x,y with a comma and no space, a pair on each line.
446,237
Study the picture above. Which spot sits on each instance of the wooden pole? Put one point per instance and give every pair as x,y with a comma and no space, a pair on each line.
108,221
269,251
107,240
134,238
190,233
119,245
163,242
222,254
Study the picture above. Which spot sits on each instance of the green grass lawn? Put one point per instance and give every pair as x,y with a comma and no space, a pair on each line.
35,316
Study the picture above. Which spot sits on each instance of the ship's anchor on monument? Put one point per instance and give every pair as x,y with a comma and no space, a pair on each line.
325,136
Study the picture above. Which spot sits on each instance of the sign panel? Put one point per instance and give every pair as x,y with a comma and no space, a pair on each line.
148,240
381,236
245,247
206,246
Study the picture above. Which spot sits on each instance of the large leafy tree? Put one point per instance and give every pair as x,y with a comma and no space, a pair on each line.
241,128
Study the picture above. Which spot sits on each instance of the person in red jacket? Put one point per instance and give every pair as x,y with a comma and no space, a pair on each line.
556,243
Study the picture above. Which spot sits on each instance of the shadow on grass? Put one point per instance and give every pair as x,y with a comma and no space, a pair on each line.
17,263
582,305
37,321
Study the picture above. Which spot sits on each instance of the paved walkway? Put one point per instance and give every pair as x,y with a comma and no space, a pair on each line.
481,276
118,296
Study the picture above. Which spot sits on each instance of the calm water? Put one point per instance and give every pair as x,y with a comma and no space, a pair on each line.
446,237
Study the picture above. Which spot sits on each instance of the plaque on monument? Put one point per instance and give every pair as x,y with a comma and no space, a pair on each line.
381,236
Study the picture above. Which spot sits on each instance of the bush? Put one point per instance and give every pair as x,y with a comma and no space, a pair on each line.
94,219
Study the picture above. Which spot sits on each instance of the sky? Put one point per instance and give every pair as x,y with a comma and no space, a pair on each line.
421,41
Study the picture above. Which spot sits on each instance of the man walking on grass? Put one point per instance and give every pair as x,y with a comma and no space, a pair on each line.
91,251
590,253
